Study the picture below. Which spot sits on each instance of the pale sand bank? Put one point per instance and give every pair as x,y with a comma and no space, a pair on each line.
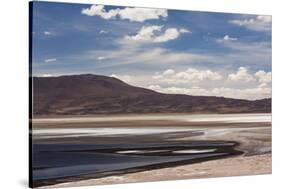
236,166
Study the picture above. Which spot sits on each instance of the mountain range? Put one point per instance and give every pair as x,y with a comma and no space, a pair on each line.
89,94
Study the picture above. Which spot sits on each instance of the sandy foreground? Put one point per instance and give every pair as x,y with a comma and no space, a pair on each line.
236,166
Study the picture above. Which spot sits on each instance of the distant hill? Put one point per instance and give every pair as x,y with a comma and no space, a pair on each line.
93,94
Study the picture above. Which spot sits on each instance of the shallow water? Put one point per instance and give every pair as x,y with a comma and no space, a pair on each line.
52,162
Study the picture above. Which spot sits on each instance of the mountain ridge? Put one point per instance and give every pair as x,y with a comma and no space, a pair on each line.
88,94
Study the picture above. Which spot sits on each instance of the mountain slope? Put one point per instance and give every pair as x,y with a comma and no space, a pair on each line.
92,94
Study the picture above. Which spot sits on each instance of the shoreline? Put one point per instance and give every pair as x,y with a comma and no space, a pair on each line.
232,152
236,166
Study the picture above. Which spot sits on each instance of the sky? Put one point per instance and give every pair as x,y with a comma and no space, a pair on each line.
169,51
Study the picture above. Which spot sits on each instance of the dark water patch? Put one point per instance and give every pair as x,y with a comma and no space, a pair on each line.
113,139
57,163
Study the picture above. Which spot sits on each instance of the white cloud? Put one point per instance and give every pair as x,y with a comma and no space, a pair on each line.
253,93
221,89
152,34
131,14
199,83
264,77
169,34
50,60
190,75
258,23
103,32
194,74
241,75
142,14
169,72
146,33
98,10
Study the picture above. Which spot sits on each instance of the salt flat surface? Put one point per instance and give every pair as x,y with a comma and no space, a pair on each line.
78,132
227,118
114,131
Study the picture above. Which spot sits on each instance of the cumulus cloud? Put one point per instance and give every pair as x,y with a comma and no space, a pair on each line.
128,13
258,23
156,34
169,72
99,10
165,83
170,76
198,82
259,92
241,75
194,74
169,34
50,60
145,33
263,77
142,14
252,93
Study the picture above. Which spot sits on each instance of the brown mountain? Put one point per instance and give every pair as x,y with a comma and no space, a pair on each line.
92,94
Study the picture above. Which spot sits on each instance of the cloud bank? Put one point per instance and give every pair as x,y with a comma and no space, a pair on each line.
259,23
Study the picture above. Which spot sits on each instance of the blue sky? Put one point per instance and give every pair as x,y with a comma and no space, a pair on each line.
170,51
